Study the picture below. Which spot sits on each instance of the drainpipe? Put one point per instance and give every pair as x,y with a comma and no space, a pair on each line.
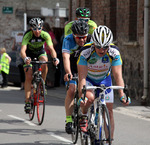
25,22
25,17
146,8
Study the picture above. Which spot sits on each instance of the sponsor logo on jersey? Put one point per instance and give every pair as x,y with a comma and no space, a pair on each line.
93,60
107,97
33,40
105,60
39,40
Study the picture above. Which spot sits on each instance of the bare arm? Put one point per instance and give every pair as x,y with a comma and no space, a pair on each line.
23,54
23,51
52,50
82,73
117,74
66,62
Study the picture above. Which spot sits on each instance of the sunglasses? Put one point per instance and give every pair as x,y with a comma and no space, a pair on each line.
80,37
99,47
84,19
34,29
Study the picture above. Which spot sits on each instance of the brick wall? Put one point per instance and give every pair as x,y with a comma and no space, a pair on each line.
126,19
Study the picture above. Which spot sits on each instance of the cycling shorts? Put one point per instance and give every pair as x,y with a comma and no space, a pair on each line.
109,94
37,55
72,81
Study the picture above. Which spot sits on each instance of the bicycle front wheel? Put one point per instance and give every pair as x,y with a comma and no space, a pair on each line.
31,100
40,101
75,119
104,128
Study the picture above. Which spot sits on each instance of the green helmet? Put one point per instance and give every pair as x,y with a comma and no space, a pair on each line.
83,12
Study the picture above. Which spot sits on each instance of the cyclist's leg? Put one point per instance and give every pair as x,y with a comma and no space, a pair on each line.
43,57
69,105
27,85
90,96
110,109
85,107
28,79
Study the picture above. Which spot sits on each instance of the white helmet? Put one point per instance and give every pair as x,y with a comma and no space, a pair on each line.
36,22
102,36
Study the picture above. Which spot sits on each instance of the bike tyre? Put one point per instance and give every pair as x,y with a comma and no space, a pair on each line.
75,118
32,111
40,101
104,119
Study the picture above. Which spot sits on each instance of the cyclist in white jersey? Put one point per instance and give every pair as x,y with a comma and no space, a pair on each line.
94,64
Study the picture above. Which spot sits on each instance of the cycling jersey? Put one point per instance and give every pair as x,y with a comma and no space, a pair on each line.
35,44
99,67
92,26
70,46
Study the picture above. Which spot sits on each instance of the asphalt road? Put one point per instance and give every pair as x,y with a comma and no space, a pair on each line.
131,123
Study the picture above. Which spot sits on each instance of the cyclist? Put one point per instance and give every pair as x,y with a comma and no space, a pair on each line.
81,14
32,47
95,63
72,44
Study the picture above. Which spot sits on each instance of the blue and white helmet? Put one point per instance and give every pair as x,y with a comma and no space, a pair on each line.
36,22
102,36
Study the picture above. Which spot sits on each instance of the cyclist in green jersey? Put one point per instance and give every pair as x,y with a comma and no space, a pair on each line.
81,14
32,47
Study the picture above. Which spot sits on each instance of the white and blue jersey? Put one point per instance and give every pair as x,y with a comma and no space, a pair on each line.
99,68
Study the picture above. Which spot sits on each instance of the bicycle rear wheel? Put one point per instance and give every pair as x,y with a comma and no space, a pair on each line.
104,128
40,101
32,111
75,119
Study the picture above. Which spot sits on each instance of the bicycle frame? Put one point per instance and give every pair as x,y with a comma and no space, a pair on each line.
95,121
38,96
75,115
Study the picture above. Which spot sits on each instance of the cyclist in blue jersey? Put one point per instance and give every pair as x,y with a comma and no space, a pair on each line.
71,47
94,64
32,47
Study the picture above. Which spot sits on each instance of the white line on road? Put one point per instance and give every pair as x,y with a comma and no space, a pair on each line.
60,138
25,121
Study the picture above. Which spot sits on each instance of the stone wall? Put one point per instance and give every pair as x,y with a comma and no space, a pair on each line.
10,23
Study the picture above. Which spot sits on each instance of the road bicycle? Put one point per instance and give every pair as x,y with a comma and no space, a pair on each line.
99,129
75,114
37,97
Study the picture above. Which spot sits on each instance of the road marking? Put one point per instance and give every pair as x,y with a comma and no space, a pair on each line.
60,138
25,121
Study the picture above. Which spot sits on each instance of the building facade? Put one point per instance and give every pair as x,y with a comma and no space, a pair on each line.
124,17
12,17
126,20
